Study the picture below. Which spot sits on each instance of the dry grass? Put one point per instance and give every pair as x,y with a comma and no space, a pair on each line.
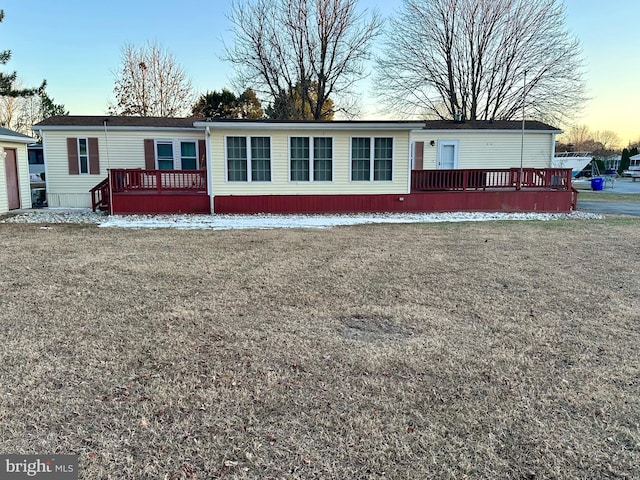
455,351
608,197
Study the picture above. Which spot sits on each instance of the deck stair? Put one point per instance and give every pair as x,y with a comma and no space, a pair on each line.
100,195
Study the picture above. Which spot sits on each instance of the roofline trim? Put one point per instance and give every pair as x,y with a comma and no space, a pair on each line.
110,128
480,130
11,138
364,125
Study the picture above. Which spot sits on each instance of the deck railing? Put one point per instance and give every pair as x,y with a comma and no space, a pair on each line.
123,180
100,195
483,179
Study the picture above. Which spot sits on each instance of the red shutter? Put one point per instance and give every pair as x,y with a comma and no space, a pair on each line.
149,154
418,156
94,157
72,156
202,155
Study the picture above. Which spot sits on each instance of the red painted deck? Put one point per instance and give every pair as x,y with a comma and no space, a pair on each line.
479,190
131,191
443,201
474,190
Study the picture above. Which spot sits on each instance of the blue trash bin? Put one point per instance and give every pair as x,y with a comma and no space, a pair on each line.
597,183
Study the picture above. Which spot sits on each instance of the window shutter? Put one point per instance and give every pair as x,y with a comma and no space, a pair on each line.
72,156
418,156
94,157
149,154
202,155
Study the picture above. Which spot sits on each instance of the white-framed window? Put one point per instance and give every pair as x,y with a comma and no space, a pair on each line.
300,159
164,155
311,159
189,155
171,154
371,159
83,155
248,159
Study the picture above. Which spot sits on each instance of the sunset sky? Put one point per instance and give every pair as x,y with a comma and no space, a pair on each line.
76,46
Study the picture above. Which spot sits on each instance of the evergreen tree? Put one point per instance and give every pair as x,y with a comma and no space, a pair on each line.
225,104
624,161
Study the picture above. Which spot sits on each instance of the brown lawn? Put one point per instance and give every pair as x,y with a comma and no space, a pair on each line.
453,351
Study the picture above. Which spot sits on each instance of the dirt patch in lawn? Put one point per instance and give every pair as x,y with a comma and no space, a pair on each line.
450,351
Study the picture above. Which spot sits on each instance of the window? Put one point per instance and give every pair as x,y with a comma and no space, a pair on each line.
382,159
299,159
188,156
361,159
248,159
237,159
83,156
36,157
366,161
164,155
322,159
260,159
311,155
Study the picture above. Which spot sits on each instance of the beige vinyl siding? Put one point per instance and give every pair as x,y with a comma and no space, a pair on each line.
126,150
489,149
23,177
280,183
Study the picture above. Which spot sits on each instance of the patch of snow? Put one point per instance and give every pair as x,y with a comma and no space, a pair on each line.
228,222
265,221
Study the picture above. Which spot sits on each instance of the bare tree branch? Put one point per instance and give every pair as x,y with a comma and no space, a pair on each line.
150,83
307,50
471,56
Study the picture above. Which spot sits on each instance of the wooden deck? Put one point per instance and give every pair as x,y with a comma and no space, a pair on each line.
128,191
132,191
472,190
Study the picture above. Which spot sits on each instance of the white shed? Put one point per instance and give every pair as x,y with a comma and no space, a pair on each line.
15,191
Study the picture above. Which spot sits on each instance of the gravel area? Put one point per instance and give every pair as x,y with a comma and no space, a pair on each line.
230,222
55,216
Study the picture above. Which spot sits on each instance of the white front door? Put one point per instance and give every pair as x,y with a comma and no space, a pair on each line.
448,154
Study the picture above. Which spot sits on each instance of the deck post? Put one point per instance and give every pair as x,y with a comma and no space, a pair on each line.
109,176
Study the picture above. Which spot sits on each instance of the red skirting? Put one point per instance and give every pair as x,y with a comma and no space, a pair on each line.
455,201
151,202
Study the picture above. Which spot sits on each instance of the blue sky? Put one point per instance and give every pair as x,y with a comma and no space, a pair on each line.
76,46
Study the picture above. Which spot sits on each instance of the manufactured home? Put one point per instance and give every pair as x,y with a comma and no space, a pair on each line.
167,165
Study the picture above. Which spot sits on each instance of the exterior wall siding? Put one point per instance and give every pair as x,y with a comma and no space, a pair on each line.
125,150
280,183
489,149
23,177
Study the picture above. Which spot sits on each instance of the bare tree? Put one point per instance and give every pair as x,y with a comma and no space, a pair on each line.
579,136
21,113
150,83
315,49
8,111
609,139
471,57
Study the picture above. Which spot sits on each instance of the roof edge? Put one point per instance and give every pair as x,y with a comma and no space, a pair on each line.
479,130
15,139
311,125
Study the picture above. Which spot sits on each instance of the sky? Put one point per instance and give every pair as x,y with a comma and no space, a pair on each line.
76,46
